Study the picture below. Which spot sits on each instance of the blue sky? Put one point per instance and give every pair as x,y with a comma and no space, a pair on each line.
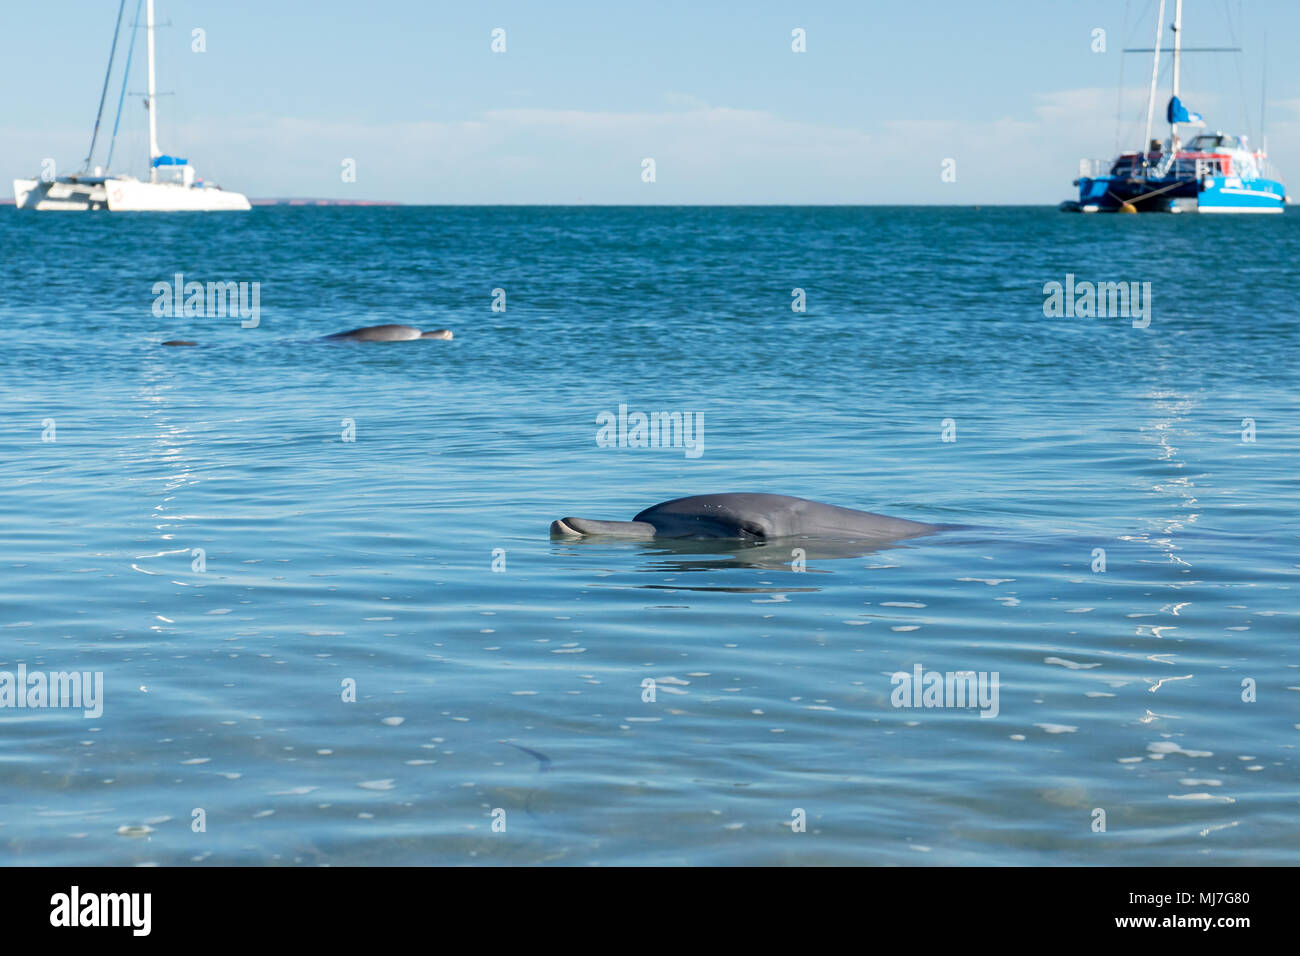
286,91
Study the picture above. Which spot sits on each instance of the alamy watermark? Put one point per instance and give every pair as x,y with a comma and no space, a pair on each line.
215,300
1126,300
36,690
923,688
75,908
683,430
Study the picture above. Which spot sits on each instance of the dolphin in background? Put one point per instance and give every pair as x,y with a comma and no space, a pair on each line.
749,517
369,333
388,333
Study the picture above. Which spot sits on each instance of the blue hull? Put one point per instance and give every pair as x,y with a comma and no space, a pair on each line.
1231,194
1214,194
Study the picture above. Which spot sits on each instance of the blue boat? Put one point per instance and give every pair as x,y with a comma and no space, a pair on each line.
1214,172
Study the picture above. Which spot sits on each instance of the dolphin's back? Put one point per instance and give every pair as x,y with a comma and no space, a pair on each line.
379,333
756,515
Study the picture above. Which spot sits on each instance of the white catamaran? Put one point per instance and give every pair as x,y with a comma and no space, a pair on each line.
117,192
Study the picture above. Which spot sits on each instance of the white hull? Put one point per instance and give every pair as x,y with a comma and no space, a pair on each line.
124,195
59,194
129,195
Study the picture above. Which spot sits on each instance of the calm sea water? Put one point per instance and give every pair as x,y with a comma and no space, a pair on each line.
332,563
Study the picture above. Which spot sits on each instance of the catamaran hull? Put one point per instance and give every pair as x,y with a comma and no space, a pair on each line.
1231,194
124,196
1213,194
59,195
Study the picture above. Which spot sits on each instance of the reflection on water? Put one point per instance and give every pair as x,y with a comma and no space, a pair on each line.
686,555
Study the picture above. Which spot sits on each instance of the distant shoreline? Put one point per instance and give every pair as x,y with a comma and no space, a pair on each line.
323,202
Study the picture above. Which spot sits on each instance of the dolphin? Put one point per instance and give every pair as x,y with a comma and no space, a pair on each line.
389,333
369,333
750,517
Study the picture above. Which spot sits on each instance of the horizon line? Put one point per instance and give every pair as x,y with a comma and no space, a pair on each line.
298,201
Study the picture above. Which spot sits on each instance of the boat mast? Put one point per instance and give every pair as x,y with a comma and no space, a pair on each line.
1263,102
104,92
1178,49
153,112
1155,75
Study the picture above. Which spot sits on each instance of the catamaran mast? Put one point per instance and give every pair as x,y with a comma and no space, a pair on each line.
1178,49
1155,75
153,112
104,92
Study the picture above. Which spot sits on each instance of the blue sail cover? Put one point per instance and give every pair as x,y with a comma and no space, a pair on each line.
170,161
1178,113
